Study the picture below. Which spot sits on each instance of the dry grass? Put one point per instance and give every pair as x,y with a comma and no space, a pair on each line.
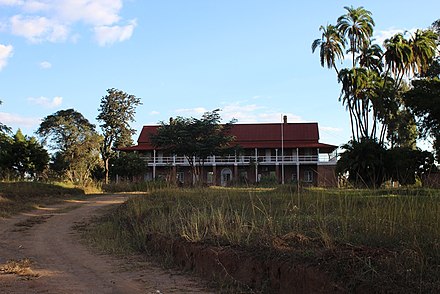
16,197
382,237
21,267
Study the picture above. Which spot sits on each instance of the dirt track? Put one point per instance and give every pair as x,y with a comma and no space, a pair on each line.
61,264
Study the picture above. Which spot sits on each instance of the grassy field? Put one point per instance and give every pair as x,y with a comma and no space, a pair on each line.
397,230
16,197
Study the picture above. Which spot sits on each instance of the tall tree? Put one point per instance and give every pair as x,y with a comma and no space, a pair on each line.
424,101
116,112
371,90
74,139
357,25
370,87
402,128
22,157
424,47
196,139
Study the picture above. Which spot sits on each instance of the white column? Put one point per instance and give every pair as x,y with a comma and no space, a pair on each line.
256,165
282,151
154,164
297,166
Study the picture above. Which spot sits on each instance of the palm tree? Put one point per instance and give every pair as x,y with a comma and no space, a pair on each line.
357,25
331,46
398,56
371,57
424,47
436,26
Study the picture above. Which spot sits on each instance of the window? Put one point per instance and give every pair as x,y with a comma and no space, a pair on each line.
180,177
308,176
210,177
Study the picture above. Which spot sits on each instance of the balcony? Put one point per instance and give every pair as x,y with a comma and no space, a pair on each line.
321,159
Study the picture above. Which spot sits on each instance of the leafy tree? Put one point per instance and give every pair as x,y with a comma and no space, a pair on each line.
424,101
22,157
75,141
196,139
5,155
116,112
58,165
364,163
127,165
29,158
402,128
405,164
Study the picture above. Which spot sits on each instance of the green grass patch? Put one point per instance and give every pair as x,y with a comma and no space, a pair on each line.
403,223
16,197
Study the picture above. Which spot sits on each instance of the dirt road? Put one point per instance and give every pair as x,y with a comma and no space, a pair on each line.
59,263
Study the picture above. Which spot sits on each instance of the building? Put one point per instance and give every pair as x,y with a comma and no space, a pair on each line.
269,152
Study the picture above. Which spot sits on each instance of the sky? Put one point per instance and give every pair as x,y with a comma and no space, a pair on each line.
250,58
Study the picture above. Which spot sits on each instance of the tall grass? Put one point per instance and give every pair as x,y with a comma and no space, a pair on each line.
134,186
403,222
248,216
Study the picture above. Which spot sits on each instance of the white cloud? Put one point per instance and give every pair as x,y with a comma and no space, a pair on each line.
46,102
330,129
96,12
253,113
11,2
191,111
39,28
35,6
45,65
243,113
55,20
5,54
154,112
107,35
381,36
18,120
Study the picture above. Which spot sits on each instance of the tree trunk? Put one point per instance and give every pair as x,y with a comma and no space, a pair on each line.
106,161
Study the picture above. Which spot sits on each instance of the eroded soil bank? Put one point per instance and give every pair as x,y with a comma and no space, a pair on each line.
255,271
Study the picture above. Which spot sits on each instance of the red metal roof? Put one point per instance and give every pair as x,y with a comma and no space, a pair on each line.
295,135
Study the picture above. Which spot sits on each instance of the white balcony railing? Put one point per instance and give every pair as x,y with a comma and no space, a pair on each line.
243,160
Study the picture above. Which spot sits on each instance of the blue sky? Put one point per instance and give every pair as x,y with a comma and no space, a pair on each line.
250,58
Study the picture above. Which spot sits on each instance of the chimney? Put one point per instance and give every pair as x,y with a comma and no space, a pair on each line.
285,119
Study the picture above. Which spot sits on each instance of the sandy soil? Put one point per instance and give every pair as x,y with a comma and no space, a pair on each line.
61,264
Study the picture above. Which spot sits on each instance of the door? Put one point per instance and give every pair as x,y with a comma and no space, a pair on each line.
226,175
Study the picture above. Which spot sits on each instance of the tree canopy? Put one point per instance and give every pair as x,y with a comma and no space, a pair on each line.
196,139
369,86
22,157
117,110
75,141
